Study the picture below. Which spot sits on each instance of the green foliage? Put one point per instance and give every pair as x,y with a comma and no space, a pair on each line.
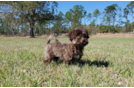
58,24
39,18
110,11
31,11
126,12
103,28
89,16
130,6
75,15
96,13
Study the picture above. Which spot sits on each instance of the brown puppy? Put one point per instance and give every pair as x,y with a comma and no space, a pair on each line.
54,51
79,37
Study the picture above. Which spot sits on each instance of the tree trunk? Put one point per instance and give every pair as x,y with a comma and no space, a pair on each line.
12,29
126,28
39,27
43,31
96,22
109,27
132,23
71,26
59,30
113,25
68,25
31,30
126,24
84,20
50,27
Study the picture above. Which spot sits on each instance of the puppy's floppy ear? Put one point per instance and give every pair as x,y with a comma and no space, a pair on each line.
74,33
70,35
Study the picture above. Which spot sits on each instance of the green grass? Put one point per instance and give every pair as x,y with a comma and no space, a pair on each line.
106,62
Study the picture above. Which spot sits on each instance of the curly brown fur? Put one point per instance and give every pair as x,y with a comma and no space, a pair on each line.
79,36
54,51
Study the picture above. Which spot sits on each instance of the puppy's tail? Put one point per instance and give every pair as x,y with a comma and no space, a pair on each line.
50,38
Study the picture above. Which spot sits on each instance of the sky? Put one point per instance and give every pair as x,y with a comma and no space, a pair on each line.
90,6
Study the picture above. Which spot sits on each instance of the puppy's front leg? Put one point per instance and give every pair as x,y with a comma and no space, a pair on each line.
67,59
73,61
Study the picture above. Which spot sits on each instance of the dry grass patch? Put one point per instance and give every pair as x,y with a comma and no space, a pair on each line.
113,35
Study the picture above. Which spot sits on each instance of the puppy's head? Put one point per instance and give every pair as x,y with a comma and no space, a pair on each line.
79,36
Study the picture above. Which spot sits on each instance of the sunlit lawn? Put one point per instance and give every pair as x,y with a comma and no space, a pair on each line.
106,62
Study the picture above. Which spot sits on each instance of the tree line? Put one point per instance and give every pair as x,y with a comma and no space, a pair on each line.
41,17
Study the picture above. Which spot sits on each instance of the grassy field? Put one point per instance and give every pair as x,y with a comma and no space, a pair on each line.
107,62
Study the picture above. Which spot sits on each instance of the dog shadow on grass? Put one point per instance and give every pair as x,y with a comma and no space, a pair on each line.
94,63
81,63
